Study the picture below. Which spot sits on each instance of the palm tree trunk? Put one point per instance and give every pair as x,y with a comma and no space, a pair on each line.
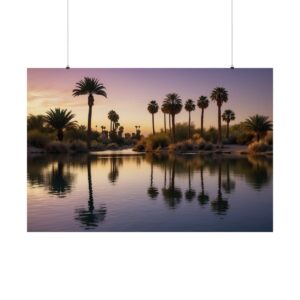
173,127
219,127
227,130
257,137
202,116
60,135
170,127
88,140
153,124
189,124
165,122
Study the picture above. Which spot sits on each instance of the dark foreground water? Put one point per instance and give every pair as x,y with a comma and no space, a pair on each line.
149,193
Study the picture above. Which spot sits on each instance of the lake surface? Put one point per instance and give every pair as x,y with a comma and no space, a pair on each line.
149,193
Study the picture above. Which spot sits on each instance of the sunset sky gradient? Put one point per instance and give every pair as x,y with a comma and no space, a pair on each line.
130,90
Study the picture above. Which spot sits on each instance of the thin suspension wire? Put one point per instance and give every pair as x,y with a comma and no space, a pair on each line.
232,67
68,34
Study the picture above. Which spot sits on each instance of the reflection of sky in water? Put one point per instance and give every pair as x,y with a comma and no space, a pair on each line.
117,194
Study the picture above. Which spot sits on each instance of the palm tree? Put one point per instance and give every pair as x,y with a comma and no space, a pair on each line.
259,125
153,109
102,128
115,120
220,96
202,103
60,119
89,86
164,111
189,106
173,104
227,116
110,116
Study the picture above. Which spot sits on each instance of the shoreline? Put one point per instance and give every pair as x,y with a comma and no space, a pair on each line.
226,151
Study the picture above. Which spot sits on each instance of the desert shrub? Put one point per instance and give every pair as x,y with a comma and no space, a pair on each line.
196,136
200,143
76,133
37,139
57,147
112,146
158,140
182,131
78,146
140,146
211,135
127,141
95,146
172,147
269,138
258,147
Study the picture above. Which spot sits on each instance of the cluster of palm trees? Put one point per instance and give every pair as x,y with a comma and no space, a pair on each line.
172,105
114,120
60,119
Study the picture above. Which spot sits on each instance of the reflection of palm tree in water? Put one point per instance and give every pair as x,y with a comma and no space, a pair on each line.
202,197
190,193
172,194
89,218
114,171
60,182
152,190
228,184
220,204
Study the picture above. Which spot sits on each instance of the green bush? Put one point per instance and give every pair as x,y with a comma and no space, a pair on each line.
140,146
182,131
78,146
57,147
37,139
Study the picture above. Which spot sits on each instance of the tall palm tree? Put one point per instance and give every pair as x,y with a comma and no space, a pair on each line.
227,116
115,120
173,104
89,86
259,125
220,96
202,103
153,109
164,111
111,115
189,106
60,119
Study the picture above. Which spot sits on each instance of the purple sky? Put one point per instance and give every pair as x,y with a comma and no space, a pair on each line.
130,90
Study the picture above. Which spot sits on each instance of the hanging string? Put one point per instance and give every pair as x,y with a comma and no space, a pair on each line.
68,34
232,67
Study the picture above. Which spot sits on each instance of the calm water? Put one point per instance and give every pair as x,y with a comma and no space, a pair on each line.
149,193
